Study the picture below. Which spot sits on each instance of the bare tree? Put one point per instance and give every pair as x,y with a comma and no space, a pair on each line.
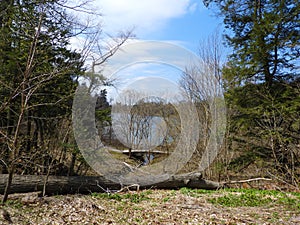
132,121
32,81
202,83
138,121
28,85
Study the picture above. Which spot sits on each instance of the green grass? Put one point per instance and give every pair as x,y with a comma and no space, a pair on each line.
223,197
248,197
14,204
166,199
195,192
136,198
240,200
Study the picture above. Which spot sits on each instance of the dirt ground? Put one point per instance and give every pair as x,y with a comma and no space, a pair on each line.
144,207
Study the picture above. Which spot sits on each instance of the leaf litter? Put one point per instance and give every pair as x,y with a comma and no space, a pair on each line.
144,207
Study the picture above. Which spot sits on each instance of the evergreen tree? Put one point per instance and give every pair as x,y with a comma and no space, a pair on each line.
262,82
103,115
36,70
265,37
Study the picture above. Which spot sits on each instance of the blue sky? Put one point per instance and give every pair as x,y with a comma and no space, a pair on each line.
180,22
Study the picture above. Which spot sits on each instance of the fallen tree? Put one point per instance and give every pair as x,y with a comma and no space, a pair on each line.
87,184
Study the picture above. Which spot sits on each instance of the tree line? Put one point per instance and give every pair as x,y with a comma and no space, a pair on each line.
261,81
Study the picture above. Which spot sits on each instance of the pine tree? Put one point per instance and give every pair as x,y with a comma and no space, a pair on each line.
264,35
262,81
36,70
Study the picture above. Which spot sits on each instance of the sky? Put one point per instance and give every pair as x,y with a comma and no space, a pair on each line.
183,23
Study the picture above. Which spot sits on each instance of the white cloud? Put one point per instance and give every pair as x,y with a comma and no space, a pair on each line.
193,7
144,15
150,52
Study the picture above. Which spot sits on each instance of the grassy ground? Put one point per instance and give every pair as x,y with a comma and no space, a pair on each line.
184,206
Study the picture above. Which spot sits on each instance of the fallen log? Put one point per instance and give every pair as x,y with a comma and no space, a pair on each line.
190,180
88,184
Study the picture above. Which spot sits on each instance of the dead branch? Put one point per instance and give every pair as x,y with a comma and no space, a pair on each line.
245,181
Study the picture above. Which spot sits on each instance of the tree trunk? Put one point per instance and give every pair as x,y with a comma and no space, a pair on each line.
88,184
7,184
72,164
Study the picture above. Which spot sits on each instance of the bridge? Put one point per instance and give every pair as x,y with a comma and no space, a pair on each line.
136,151
141,154
143,151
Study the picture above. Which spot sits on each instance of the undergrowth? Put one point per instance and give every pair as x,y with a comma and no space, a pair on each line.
248,197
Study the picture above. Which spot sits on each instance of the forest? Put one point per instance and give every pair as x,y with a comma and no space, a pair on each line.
259,80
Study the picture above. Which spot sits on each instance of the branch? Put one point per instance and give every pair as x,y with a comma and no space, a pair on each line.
245,181
79,7
113,50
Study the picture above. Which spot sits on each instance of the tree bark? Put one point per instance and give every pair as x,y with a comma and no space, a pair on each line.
88,184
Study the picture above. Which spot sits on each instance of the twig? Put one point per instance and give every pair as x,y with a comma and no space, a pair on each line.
281,180
130,167
127,188
103,189
245,181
